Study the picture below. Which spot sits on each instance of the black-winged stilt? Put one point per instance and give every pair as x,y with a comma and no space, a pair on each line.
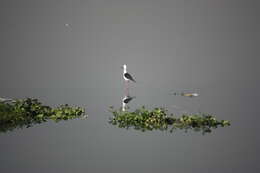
126,75
127,78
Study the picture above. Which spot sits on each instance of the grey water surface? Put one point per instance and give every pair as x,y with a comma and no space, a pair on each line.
70,51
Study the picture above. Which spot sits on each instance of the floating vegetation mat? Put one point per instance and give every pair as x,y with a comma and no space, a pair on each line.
158,119
27,112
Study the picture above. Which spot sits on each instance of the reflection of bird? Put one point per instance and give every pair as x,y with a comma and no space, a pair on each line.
127,99
126,75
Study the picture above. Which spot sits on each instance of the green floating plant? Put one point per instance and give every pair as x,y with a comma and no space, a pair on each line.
158,119
27,112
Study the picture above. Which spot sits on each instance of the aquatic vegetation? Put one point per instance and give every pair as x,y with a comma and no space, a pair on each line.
158,119
27,112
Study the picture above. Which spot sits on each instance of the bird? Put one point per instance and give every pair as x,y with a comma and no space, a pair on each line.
126,75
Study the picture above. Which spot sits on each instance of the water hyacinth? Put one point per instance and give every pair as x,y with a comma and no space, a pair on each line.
158,119
27,112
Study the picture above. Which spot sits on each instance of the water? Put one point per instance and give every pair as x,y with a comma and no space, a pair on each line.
94,145
209,48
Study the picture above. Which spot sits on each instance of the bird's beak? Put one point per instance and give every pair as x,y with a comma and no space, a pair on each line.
121,67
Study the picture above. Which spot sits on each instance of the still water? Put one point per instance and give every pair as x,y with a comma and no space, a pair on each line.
70,52
94,145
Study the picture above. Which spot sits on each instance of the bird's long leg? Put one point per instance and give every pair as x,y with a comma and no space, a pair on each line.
127,88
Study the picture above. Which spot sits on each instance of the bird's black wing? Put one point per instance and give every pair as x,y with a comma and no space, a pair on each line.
128,76
128,99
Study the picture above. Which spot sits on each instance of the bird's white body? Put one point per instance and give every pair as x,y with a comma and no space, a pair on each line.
125,78
124,72
123,100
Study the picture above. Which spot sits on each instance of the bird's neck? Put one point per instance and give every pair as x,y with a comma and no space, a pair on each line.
124,70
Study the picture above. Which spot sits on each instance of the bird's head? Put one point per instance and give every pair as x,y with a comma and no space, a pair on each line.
123,66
